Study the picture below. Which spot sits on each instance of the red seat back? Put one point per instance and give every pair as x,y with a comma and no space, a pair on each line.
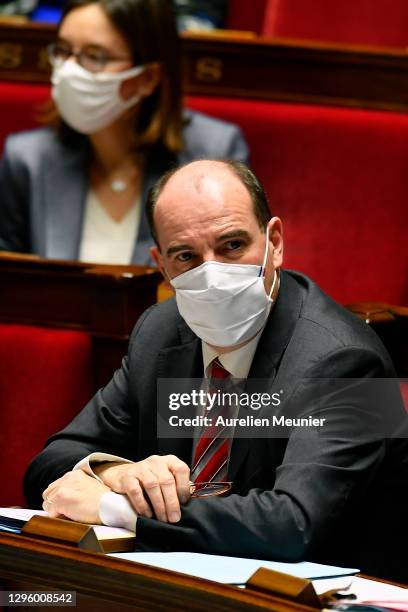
244,15
45,379
368,22
338,178
19,106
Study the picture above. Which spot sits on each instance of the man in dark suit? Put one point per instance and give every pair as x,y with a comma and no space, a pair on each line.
329,485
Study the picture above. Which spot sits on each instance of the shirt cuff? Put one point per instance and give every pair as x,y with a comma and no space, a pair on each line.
115,510
85,463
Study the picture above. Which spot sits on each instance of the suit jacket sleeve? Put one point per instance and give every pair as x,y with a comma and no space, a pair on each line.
315,485
14,231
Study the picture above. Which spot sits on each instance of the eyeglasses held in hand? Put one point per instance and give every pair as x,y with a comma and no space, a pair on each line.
210,489
92,58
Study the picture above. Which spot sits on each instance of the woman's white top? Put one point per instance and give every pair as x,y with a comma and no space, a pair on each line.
105,240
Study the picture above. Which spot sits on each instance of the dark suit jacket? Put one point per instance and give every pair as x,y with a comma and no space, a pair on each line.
338,498
44,183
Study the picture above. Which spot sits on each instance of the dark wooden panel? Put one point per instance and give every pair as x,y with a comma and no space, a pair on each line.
120,585
240,65
104,301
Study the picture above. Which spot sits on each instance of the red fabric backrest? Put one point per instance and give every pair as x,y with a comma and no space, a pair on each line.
45,379
338,178
369,22
19,104
244,15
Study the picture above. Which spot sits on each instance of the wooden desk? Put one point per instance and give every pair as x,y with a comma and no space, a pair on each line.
103,300
114,584
244,65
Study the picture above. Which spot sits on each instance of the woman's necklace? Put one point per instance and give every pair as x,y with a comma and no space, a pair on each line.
121,180
118,185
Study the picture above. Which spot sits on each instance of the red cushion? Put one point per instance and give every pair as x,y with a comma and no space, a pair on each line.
19,105
338,178
369,22
45,379
244,15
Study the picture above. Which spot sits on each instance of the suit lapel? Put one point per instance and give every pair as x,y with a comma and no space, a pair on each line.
67,177
272,344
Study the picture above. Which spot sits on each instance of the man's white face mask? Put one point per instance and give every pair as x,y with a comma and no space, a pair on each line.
89,101
224,304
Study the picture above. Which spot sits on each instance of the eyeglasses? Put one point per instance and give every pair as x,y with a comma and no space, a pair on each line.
210,489
93,59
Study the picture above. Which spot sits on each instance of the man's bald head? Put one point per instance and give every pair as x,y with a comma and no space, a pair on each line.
198,174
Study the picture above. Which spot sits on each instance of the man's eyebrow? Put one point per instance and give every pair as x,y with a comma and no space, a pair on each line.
238,233
178,247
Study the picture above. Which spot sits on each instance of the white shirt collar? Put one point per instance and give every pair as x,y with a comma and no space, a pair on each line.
237,362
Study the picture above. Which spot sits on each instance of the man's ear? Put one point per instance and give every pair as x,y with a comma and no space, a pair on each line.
275,227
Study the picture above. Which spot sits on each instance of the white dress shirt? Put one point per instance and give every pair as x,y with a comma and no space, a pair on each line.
105,240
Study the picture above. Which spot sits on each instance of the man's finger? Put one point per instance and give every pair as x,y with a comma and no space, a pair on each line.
150,482
131,487
181,473
168,485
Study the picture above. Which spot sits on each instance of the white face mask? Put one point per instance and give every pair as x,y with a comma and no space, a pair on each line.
224,304
89,101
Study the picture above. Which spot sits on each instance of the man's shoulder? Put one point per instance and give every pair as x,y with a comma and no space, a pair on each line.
332,323
207,136
160,326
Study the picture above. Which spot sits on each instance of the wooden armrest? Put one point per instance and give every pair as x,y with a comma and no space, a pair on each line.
391,324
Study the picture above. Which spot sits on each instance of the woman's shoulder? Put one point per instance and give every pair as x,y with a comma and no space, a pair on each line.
42,142
39,138
206,136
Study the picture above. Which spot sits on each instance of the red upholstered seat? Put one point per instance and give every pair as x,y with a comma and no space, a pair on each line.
368,22
338,178
45,379
244,15
19,104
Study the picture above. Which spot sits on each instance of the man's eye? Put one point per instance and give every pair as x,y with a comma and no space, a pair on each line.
186,256
233,245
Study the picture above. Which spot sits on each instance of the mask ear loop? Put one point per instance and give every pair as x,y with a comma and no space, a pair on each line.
262,270
275,277
265,259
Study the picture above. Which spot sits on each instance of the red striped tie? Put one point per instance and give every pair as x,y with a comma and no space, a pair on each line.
211,453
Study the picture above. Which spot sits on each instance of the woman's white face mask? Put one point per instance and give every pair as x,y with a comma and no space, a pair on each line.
224,304
88,101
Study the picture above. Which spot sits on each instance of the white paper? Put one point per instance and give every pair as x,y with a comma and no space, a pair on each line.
229,570
372,591
101,531
23,514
